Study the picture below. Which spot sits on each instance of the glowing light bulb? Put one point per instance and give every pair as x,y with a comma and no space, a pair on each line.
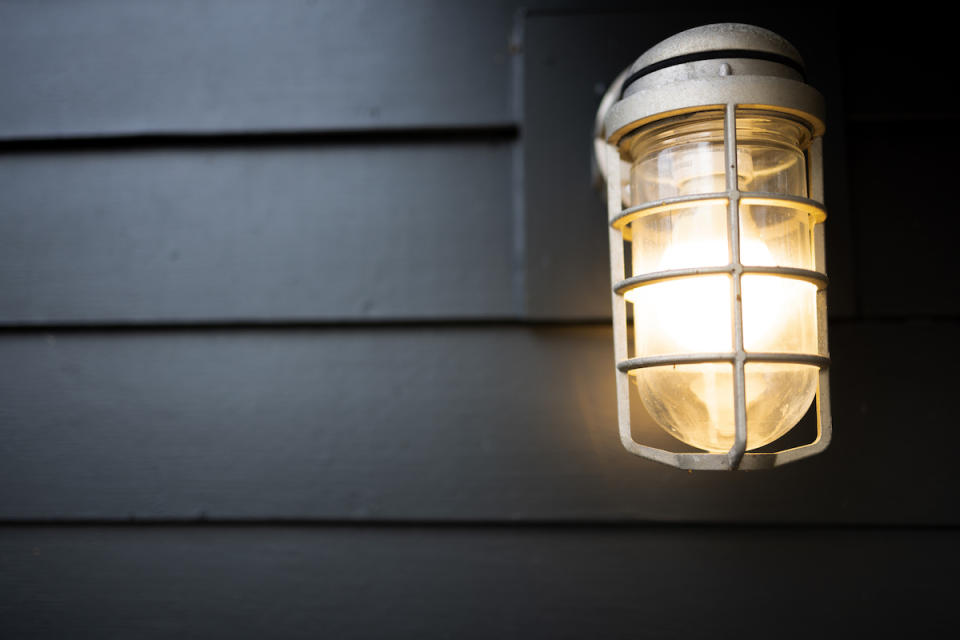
681,304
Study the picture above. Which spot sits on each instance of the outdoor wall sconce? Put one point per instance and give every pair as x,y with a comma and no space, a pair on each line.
711,148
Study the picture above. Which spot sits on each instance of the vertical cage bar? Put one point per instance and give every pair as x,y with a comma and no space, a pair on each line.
617,273
816,192
735,455
815,189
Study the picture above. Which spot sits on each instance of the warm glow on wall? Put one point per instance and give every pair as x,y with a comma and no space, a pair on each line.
710,145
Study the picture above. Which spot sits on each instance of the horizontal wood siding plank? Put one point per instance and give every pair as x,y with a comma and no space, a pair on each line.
468,423
907,219
909,89
108,68
306,582
286,231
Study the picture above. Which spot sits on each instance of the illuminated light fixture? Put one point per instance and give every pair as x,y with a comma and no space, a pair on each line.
711,148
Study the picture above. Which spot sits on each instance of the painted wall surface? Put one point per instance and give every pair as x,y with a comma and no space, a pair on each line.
304,324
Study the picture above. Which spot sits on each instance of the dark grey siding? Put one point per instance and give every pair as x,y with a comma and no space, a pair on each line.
368,228
497,423
472,582
108,68
304,331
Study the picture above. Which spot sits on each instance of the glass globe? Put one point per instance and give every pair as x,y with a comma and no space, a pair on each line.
684,156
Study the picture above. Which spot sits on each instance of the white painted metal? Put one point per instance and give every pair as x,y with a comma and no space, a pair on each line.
686,93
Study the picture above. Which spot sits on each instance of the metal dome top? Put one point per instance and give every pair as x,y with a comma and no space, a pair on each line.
718,38
709,67
701,51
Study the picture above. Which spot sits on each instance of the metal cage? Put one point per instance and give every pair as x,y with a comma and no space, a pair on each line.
730,93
